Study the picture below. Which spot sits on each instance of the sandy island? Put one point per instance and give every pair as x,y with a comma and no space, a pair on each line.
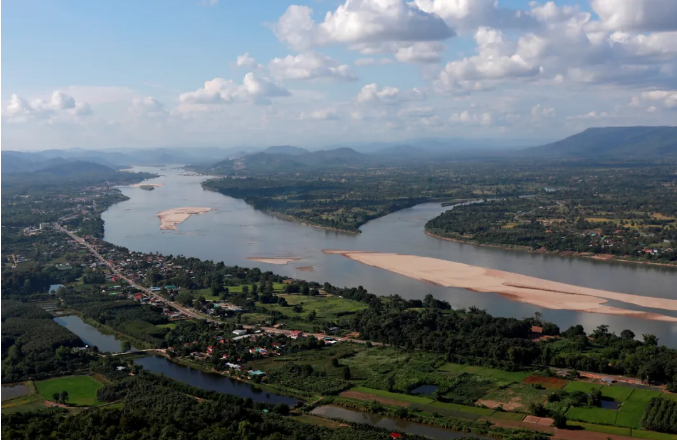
274,260
172,217
154,185
522,288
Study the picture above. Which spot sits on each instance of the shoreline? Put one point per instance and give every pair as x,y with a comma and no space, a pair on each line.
516,287
274,260
599,257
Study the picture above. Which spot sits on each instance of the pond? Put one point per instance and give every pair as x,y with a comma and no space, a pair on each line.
209,381
90,335
424,389
14,390
610,404
379,421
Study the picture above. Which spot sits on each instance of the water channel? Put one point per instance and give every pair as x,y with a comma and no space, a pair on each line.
90,335
212,382
379,421
233,232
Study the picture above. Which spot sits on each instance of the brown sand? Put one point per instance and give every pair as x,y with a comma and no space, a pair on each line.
522,288
154,185
172,217
306,268
274,260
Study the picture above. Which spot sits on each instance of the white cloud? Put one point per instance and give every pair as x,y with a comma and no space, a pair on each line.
468,15
591,115
320,115
147,106
372,61
651,15
467,117
371,93
358,22
58,106
538,111
668,98
423,52
310,66
247,61
221,91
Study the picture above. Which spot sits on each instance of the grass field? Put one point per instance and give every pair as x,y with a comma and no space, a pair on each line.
471,369
631,411
585,387
452,368
81,389
651,435
601,428
593,415
504,376
330,307
618,393
170,325
394,396
463,408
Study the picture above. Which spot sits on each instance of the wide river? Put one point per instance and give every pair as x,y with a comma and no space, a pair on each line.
233,231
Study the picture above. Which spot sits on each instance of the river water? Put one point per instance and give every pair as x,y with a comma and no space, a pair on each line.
379,421
90,335
234,231
212,382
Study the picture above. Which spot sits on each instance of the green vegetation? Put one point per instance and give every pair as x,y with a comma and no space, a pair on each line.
661,415
616,392
601,428
631,412
592,415
516,397
81,389
393,396
584,387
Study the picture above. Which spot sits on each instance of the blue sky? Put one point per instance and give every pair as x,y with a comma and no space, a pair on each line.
104,74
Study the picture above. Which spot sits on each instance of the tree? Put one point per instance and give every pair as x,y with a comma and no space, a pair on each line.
125,346
649,339
559,420
346,373
312,315
627,335
64,397
334,362
184,298
56,397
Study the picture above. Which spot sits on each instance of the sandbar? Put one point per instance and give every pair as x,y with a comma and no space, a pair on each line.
139,185
172,217
516,287
274,260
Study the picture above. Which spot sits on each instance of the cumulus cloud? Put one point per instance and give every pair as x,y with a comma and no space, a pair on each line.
222,91
467,15
538,111
667,98
320,115
147,106
642,15
310,66
423,52
371,93
247,61
358,22
58,105
591,115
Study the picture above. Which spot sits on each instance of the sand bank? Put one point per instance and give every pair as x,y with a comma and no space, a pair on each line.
306,269
522,288
154,185
274,260
172,217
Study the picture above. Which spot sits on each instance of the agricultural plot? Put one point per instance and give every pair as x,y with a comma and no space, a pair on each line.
81,389
463,408
550,383
593,415
631,411
617,393
584,387
467,389
516,397
507,416
652,435
504,376
472,369
602,428
388,398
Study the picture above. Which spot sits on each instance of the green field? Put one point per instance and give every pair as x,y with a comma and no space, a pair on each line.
618,393
651,435
472,369
601,428
585,387
631,411
169,325
516,397
81,389
463,408
393,396
452,368
504,376
593,415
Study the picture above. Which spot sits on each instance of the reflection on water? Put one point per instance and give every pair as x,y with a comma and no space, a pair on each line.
388,423
90,335
234,231
212,382
14,390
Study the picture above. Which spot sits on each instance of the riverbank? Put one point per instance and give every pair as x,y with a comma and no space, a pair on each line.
598,257
521,288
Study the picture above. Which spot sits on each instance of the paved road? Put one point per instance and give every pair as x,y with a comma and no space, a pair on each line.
181,308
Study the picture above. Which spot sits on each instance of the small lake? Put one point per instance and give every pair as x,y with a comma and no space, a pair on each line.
90,335
610,404
212,382
379,421
424,389
14,390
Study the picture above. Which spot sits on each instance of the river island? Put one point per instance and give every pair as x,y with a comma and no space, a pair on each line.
516,287
172,217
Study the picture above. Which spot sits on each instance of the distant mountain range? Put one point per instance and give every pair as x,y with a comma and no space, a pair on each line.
602,143
613,142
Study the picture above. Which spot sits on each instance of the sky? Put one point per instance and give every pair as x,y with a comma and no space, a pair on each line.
225,73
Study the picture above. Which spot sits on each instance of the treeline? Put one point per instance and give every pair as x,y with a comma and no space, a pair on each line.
661,415
474,336
35,346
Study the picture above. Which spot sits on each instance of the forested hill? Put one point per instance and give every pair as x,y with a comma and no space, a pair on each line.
613,142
